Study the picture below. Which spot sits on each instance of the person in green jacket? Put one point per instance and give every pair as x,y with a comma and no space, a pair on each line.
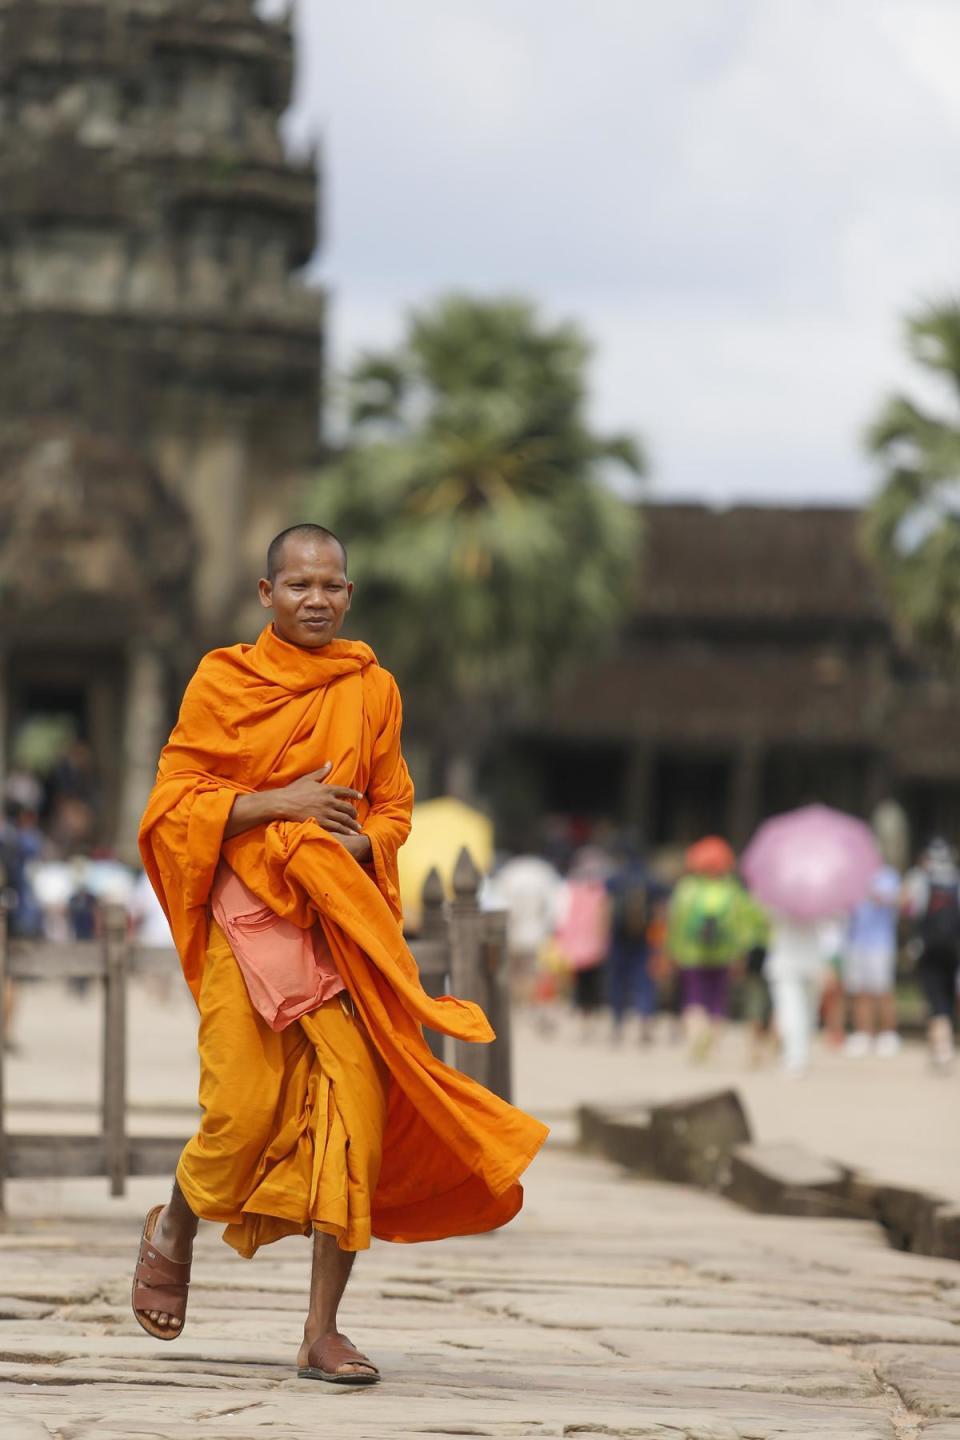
708,933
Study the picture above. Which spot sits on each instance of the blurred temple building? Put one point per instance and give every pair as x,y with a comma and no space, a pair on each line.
160,391
760,670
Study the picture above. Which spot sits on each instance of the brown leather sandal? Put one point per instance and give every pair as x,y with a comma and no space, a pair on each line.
158,1284
327,1354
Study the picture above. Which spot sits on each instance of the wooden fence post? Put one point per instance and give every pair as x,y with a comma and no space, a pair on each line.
432,923
115,1047
433,927
496,961
4,1157
467,971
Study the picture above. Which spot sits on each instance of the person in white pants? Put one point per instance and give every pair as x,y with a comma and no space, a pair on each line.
794,970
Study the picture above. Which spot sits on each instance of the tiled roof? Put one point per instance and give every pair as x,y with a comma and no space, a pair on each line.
749,621
755,561
674,690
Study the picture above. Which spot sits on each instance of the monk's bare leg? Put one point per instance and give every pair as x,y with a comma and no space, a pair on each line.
173,1236
328,1280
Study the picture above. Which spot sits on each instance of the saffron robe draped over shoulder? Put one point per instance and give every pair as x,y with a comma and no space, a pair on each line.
256,718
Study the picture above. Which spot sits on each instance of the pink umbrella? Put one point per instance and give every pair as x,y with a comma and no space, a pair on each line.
811,864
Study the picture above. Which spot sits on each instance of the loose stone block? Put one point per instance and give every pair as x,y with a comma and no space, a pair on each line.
590,1122
784,1179
909,1217
863,1194
946,1232
621,1133
692,1139
628,1140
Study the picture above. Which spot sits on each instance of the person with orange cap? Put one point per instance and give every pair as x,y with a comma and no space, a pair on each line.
706,938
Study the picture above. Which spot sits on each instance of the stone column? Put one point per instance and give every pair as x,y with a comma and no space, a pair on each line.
877,781
638,790
4,720
217,500
143,735
460,778
745,798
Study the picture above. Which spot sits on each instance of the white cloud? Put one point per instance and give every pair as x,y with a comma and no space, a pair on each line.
927,34
736,198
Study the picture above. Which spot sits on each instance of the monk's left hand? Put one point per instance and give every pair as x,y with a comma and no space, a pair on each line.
358,845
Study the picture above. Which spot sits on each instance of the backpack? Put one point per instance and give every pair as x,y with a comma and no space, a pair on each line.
711,921
631,909
939,925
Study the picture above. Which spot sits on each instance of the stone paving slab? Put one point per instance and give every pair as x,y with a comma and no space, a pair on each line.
927,1376
612,1306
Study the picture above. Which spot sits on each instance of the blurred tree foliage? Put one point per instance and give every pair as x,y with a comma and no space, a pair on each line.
488,548
912,525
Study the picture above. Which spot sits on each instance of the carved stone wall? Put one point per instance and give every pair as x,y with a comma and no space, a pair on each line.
93,544
151,235
96,565
160,390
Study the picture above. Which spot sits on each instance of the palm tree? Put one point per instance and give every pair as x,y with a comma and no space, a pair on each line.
473,496
913,523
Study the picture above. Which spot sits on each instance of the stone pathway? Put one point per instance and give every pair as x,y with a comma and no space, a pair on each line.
611,1307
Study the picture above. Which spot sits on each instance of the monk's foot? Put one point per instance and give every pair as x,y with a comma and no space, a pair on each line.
174,1239
332,1357
166,1254
175,1242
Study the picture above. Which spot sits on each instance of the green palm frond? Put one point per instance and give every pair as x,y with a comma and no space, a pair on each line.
912,525
487,548
933,337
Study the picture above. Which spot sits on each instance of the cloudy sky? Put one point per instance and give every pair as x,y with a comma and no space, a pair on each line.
737,200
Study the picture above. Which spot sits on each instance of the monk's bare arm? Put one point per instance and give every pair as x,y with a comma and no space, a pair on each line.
332,806
251,810
359,846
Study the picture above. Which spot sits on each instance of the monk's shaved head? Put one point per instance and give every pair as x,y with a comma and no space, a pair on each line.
308,532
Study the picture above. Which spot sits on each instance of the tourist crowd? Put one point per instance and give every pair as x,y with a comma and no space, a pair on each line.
622,940
55,873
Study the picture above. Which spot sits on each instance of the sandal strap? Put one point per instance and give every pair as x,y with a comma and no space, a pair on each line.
157,1269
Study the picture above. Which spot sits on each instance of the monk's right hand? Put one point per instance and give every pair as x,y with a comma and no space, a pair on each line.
332,806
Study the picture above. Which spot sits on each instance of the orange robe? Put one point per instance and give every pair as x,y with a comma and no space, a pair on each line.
257,717
293,1120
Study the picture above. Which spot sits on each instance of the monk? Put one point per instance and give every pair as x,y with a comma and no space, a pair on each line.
271,839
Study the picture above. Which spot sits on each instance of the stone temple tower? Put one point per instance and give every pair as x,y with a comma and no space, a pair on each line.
160,384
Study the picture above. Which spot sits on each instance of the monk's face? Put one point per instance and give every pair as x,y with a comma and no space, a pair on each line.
310,593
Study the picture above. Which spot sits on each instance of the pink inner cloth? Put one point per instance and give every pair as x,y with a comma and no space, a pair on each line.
288,971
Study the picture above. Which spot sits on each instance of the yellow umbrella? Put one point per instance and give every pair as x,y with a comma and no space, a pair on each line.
440,830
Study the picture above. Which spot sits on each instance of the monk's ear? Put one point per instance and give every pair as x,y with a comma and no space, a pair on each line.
349,595
265,590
